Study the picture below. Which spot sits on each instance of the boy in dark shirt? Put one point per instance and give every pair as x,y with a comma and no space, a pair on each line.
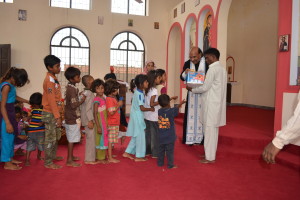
166,130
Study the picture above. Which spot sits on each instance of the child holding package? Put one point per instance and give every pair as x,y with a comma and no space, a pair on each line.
36,129
52,111
151,118
136,126
166,131
72,113
113,115
100,117
8,127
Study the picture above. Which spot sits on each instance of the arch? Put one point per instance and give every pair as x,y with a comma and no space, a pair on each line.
174,59
127,55
203,14
72,46
187,26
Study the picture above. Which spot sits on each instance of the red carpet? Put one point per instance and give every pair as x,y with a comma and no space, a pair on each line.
233,176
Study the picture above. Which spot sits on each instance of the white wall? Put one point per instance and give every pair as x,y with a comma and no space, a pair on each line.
252,42
30,39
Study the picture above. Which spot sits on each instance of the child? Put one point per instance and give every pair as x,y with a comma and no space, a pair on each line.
161,89
100,118
166,131
12,79
136,126
87,120
21,137
113,115
52,111
72,113
151,118
36,129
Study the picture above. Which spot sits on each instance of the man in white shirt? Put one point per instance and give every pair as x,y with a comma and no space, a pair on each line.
214,103
288,134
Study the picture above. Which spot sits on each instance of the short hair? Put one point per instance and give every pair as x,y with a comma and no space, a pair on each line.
50,61
85,79
110,86
139,80
96,83
213,51
110,76
71,72
36,99
160,72
164,100
18,109
19,75
132,85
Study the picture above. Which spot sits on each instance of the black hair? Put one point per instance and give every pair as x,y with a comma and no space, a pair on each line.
50,61
110,75
85,79
213,51
18,109
132,85
152,75
164,100
96,83
200,51
139,80
111,86
20,76
71,72
36,99
160,72
24,113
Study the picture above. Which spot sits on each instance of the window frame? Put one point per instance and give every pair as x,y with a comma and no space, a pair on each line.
145,11
70,6
127,49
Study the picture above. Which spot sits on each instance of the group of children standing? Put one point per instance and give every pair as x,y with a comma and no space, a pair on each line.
97,109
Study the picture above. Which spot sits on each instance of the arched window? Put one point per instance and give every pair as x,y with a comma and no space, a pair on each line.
72,46
127,55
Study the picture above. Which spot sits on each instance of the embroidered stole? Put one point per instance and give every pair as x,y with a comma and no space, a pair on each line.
194,128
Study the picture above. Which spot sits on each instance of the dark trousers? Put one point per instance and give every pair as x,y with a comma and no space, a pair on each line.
167,149
151,134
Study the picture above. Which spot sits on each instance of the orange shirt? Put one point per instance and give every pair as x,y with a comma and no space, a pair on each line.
52,96
111,106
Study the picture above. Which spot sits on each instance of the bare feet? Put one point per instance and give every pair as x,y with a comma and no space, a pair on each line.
40,158
53,166
103,161
112,160
127,155
91,162
204,161
75,158
58,158
140,159
15,161
27,163
73,164
11,166
174,167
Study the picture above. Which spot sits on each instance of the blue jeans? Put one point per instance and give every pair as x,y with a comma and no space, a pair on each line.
167,149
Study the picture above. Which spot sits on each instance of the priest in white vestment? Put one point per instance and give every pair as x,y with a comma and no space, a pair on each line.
214,103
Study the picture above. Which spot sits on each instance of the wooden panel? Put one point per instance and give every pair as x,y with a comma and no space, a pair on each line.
5,58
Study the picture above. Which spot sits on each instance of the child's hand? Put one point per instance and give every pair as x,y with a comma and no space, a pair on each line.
58,122
99,130
90,125
152,109
9,128
174,97
183,102
83,97
120,103
23,137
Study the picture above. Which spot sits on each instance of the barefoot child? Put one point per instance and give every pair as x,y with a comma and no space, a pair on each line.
113,115
72,113
12,79
36,129
166,131
52,111
100,118
87,120
136,126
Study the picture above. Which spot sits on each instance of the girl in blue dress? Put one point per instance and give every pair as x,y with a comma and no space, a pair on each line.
136,127
8,126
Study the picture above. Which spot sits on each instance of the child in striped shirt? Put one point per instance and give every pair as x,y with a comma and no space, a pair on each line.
36,129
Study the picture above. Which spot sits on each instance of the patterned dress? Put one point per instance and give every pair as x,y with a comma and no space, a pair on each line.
101,139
